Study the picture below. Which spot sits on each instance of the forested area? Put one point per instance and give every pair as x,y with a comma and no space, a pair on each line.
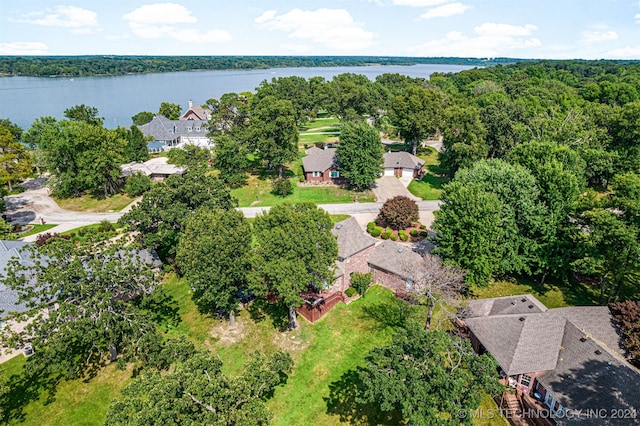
544,166
84,66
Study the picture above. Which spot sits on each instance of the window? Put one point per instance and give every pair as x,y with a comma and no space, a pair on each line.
525,380
334,174
316,174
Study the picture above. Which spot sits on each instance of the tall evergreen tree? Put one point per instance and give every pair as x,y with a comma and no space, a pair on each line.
360,154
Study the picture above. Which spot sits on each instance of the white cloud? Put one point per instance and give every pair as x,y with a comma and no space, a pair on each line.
491,40
78,20
153,21
24,48
418,3
637,18
445,10
624,52
598,36
331,28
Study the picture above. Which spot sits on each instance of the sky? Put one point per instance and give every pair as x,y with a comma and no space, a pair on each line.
539,29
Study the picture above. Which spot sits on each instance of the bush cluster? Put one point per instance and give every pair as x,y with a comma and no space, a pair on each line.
281,187
376,231
398,213
350,292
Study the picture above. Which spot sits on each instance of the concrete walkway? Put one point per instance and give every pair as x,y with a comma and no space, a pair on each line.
390,186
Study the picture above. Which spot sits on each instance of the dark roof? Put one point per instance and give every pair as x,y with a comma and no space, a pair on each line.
395,258
588,377
163,129
319,160
579,349
351,238
402,159
9,297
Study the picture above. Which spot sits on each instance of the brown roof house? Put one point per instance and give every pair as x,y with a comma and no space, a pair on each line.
321,165
403,164
196,112
567,361
392,265
354,248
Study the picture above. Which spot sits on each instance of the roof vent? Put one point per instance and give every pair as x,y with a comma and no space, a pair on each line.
530,306
598,352
521,319
513,303
338,226
524,299
583,339
400,250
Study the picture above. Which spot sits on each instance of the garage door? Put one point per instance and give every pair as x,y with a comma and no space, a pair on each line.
388,171
407,172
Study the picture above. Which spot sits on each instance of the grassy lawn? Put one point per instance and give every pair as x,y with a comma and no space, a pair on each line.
87,203
257,192
36,229
320,123
308,133
430,187
488,414
309,140
76,402
552,295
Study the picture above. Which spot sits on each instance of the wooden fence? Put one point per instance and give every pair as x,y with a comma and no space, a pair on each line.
316,305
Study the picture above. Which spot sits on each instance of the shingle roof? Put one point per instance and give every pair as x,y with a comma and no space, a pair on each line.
197,110
402,159
154,166
9,297
163,129
523,340
319,160
351,238
505,305
395,258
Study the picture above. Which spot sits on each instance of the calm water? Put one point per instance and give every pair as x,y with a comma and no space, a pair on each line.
23,99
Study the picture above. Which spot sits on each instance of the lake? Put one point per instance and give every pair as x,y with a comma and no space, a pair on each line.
118,98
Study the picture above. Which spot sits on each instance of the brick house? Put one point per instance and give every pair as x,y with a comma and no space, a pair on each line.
392,264
354,248
321,165
569,361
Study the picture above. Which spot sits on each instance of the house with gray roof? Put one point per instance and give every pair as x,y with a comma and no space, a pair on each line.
570,360
403,164
8,297
156,168
177,133
354,248
392,265
321,165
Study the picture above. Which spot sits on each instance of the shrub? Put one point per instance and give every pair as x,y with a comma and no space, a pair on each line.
386,235
106,226
424,234
350,292
404,237
361,282
43,239
394,237
423,226
375,232
371,226
414,232
398,213
281,187
137,184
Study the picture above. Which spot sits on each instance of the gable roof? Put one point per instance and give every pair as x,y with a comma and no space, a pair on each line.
319,160
525,337
395,258
8,297
403,160
351,238
153,166
196,111
163,129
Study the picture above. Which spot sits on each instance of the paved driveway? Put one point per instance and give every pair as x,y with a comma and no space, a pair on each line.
390,186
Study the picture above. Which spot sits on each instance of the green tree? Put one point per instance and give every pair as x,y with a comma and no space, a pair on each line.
136,148
295,250
230,115
85,114
15,130
360,154
469,228
463,138
137,184
275,133
430,377
350,97
95,287
361,281
15,161
230,157
191,156
626,197
398,212
170,110
417,114
162,214
281,187
295,89
198,392
142,118
213,256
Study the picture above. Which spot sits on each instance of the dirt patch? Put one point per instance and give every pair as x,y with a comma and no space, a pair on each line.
290,341
227,335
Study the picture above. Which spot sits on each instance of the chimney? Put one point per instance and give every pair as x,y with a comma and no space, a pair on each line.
190,103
